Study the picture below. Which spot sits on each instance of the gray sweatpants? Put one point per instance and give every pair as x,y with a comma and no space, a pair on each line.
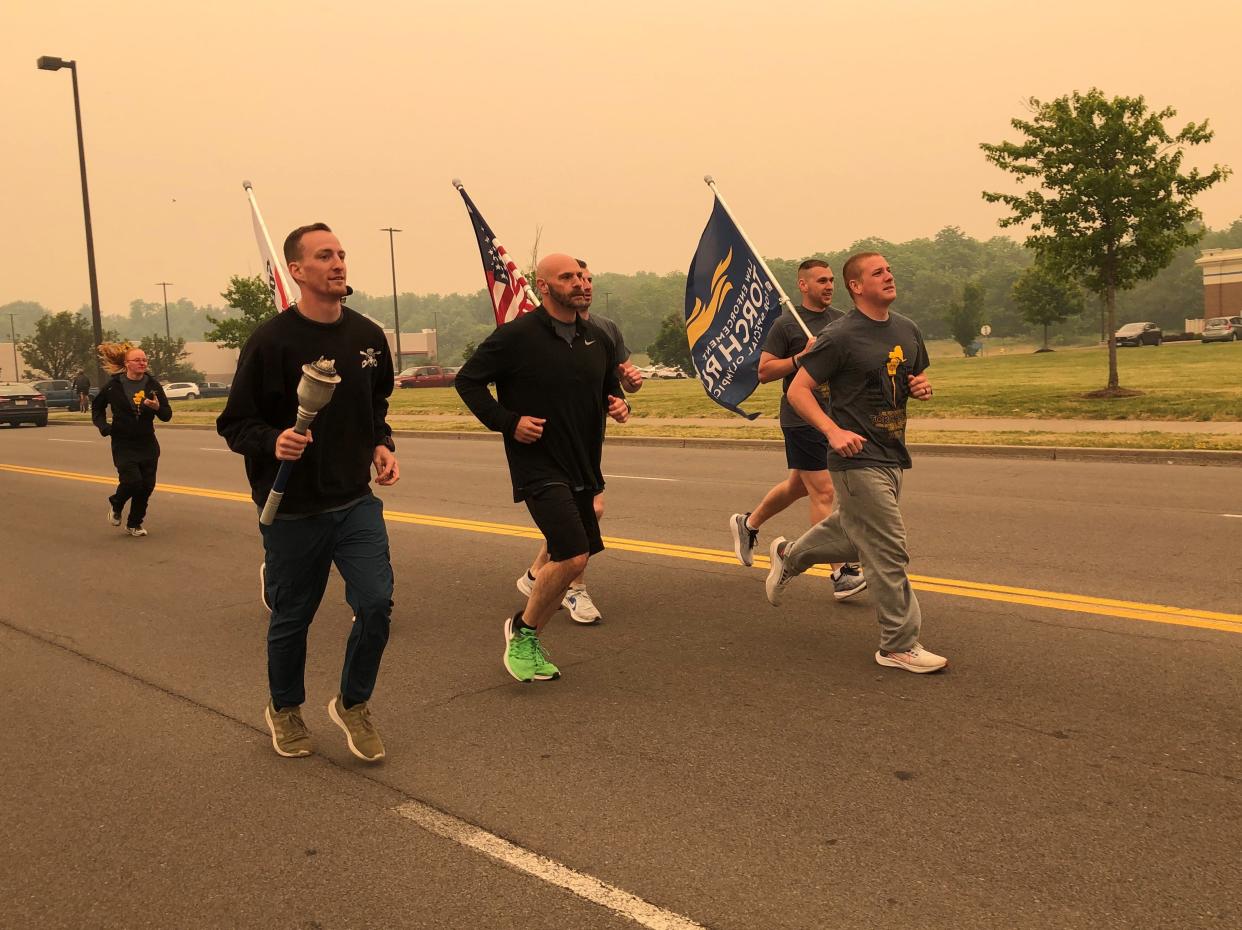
867,527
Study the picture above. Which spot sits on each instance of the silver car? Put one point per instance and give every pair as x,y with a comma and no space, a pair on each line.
1222,329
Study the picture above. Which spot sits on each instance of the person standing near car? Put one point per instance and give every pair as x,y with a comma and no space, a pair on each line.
134,399
82,385
577,599
329,514
806,449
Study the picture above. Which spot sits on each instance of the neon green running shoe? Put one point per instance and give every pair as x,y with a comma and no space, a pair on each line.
544,669
524,657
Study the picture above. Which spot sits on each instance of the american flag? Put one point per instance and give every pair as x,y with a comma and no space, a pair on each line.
510,293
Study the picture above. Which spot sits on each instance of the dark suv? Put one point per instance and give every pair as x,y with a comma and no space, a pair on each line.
1139,334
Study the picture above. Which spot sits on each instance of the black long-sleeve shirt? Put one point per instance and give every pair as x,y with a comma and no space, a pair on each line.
133,425
538,373
263,402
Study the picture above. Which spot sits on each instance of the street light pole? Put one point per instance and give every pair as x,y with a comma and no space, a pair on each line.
17,375
50,63
396,314
167,328
435,322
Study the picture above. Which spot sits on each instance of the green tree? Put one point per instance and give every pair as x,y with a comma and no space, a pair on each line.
1046,298
251,298
168,360
61,345
966,316
670,346
1113,205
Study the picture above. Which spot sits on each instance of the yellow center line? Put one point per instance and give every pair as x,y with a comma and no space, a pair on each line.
1051,600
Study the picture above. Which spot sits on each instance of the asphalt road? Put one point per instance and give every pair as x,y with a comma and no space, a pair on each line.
738,765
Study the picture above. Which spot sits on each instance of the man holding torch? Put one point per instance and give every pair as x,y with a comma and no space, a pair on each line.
328,514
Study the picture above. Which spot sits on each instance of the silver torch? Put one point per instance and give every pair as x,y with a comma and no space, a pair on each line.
319,380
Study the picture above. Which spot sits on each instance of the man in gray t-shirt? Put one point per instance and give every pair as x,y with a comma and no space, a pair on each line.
806,450
577,601
873,361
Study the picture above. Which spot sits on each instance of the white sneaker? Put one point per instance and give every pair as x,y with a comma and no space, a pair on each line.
526,583
915,659
135,531
580,606
113,517
777,578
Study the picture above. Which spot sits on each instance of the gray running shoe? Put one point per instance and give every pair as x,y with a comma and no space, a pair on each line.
135,531
290,738
847,581
744,538
364,741
778,575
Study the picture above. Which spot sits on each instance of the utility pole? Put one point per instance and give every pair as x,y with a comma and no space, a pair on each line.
396,314
167,328
17,375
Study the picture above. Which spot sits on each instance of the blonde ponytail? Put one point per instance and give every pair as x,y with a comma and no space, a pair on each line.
112,354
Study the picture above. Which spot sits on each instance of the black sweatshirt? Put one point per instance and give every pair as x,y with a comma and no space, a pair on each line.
133,425
538,374
263,402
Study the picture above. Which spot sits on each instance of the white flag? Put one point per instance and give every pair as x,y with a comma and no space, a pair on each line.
273,268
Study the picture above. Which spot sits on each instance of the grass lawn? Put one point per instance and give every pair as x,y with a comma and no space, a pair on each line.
1179,381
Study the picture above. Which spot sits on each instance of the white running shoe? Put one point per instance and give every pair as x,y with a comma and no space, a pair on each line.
915,659
526,583
135,531
580,606
113,517
777,578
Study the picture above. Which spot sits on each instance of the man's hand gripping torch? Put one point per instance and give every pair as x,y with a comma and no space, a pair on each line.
319,380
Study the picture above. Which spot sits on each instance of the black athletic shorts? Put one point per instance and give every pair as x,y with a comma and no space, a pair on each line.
567,520
806,448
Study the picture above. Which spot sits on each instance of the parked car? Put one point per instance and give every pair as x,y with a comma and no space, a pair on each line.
1139,334
59,393
183,390
213,389
426,376
1222,329
23,403
662,372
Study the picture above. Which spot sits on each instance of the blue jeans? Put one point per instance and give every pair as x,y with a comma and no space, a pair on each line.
298,554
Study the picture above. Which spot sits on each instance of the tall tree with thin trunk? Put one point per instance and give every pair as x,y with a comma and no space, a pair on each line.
1113,204
1046,298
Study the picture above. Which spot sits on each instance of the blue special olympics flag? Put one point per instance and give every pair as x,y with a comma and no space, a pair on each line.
731,303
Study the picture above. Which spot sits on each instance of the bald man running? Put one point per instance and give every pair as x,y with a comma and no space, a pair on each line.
556,378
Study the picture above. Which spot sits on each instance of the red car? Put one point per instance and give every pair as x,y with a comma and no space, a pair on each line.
426,376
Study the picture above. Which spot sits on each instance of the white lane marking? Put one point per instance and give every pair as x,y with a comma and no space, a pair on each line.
87,441
642,478
584,886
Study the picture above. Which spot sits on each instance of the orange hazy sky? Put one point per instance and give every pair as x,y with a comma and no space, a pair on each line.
822,123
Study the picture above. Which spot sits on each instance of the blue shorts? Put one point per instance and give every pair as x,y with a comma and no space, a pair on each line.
806,448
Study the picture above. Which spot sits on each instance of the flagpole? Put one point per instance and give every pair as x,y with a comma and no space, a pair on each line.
711,182
285,284
529,291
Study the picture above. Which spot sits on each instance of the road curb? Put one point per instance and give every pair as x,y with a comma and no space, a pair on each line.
1203,457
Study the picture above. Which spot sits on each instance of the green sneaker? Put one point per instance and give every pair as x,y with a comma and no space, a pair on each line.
519,655
364,741
544,670
290,738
